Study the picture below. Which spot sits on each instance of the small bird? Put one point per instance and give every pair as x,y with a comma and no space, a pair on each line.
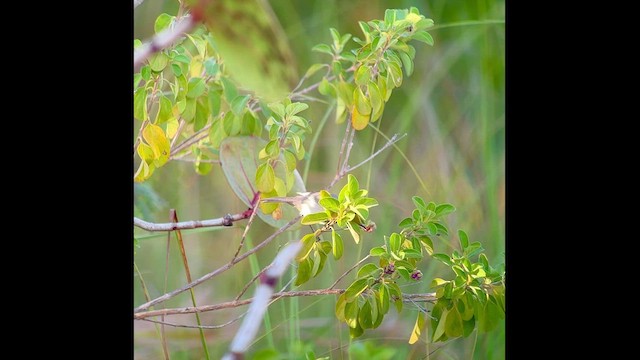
306,202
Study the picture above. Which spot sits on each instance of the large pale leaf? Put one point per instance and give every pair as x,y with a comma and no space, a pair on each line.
239,160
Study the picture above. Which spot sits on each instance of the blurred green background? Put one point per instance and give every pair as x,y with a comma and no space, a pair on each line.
453,109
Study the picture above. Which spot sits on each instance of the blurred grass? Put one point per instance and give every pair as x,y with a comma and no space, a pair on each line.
452,107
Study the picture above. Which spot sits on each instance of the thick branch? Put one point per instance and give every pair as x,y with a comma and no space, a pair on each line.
408,298
218,271
251,323
226,220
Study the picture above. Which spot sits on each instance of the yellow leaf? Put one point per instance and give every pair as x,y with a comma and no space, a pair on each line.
155,137
172,128
144,172
415,334
146,153
358,120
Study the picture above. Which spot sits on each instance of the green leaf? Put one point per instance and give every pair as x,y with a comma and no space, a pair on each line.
265,178
211,67
351,312
304,272
363,75
427,243
367,270
407,63
419,203
182,59
295,108
337,244
230,90
326,88
202,114
468,326
362,103
157,140
216,134
145,72
140,104
444,258
277,108
356,289
396,73
238,104
377,251
354,233
164,112
341,302
482,259
353,184
444,209
423,36
251,125
314,218
158,61
319,259
412,254
464,239
384,299
440,329
437,282
417,328
201,166
394,241
364,316
145,152
162,22
272,149
376,100
322,48
307,244
196,87
453,325
330,204
405,222
231,124
314,69
433,229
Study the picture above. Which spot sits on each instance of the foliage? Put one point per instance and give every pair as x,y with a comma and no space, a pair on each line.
188,104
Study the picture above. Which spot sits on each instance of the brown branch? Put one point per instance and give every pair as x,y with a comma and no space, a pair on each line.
197,136
226,220
163,40
408,298
218,271
246,287
254,210
193,326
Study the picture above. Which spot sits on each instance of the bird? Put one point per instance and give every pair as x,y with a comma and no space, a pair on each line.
305,202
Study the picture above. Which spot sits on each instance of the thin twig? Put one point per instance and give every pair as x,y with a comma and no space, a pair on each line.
194,326
254,210
226,220
408,298
394,139
348,271
218,271
197,136
246,287
163,40
209,161
344,144
177,135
